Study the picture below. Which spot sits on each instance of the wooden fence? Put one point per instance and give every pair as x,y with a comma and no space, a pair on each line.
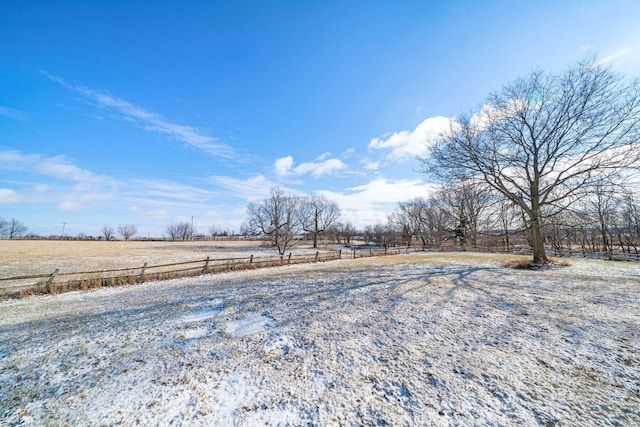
58,282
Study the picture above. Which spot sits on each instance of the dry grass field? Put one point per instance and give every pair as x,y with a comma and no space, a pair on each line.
24,257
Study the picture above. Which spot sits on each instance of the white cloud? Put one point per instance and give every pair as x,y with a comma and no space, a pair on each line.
284,166
13,114
69,206
372,202
60,189
57,167
80,185
410,144
149,120
370,165
318,169
67,186
348,152
8,195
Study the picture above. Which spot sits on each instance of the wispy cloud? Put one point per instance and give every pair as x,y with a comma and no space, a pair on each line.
618,54
245,189
407,144
68,187
57,185
13,114
149,120
56,167
169,190
322,166
370,165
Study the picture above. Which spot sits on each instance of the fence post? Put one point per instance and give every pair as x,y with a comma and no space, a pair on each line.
317,255
289,260
206,265
340,254
251,261
354,254
142,272
50,280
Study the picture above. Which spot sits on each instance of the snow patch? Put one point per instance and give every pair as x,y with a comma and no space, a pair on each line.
195,333
247,326
232,394
201,315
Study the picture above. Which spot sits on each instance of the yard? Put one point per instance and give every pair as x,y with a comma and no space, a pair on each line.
420,339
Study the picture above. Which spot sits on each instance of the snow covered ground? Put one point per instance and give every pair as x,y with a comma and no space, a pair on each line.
422,339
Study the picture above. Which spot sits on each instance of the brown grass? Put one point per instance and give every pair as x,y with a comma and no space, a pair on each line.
527,264
25,257
84,265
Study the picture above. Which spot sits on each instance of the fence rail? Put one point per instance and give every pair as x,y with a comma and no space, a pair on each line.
58,282
614,255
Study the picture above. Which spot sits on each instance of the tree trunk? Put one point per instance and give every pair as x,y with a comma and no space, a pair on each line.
537,243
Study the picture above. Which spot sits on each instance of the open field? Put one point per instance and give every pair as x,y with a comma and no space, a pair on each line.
421,339
22,257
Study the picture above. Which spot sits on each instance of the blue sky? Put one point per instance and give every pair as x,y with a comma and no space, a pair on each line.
155,112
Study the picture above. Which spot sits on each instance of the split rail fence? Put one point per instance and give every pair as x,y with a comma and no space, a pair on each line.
58,282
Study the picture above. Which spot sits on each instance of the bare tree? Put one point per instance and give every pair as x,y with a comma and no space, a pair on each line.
544,139
342,232
4,227
181,230
107,232
127,231
558,230
317,214
277,217
380,234
347,231
506,220
173,231
214,231
412,220
628,226
402,224
601,205
464,203
12,228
